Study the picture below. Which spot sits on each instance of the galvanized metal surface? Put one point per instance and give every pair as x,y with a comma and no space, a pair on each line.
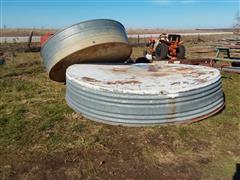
92,41
144,94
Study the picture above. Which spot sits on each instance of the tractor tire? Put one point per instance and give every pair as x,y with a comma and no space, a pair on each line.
161,51
142,60
181,51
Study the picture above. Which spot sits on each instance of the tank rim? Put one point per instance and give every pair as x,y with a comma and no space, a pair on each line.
61,30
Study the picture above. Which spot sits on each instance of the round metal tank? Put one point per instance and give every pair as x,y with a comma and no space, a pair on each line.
94,41
144,94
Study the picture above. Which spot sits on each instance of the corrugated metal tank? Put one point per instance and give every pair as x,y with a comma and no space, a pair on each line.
94,41
144,94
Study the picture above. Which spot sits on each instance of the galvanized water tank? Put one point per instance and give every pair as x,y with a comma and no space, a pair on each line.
144,94
94,41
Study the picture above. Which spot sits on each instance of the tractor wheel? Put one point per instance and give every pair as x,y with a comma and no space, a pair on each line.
181,52
161,51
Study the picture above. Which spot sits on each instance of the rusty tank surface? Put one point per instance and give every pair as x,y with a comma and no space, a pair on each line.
144,94
94,41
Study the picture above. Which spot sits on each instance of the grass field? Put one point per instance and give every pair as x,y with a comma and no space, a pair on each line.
42,138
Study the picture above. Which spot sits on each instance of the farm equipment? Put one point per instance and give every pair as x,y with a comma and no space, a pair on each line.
43,39
165,47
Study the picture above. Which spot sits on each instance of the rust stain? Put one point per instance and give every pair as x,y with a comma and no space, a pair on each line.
99,53
183,69
203,116
119,69
194,74
159,74
172,109
174,83
189,121
124,82
201,73
90,79
153,68
201,80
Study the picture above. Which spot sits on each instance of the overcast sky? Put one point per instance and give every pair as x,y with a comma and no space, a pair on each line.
178,14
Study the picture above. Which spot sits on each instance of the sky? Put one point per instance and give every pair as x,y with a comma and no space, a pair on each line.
166,14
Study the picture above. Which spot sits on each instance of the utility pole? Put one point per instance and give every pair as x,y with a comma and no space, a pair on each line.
236,27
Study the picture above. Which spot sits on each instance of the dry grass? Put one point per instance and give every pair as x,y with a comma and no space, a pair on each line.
161,30
24,32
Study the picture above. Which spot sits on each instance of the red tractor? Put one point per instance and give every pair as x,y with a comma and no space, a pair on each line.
165,47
